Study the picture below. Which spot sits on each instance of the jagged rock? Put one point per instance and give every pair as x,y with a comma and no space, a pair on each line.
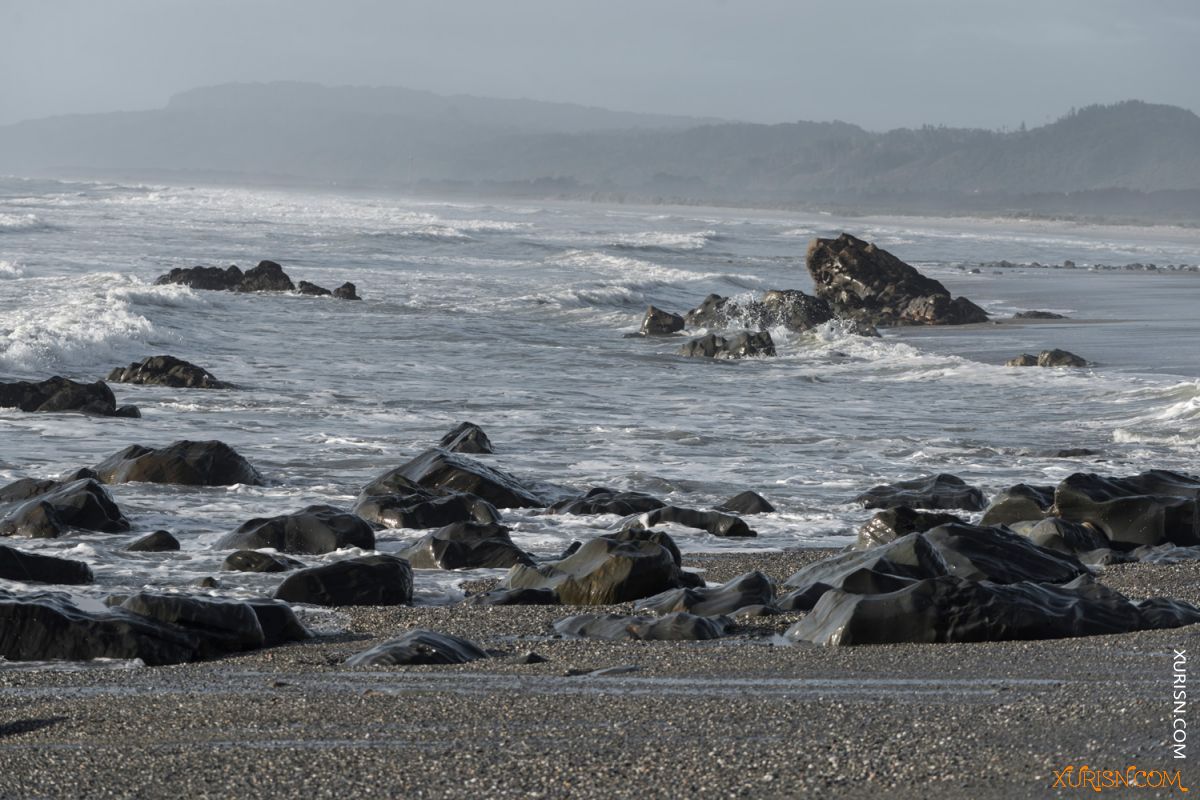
605,501
1153,508
863,282
167,371
1060,358
744,344
441,472
304,287
607,570
266,277
513,597
17,565
746,503
952,609
660,323
420,511
156,542
209,463
1018,503
208,278
62,394
379,580
934,491
679,626
419,647
347,291
315,529
467,437
466,545
713,522
1037,315
256,561
793,309
750,589
713,312
892,523
80,504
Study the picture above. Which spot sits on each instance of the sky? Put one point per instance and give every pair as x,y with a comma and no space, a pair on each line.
877,63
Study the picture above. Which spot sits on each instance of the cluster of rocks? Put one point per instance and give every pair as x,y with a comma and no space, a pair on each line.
268,276
1047,358
1069,264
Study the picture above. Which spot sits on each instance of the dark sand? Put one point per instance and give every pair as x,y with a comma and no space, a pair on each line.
732,718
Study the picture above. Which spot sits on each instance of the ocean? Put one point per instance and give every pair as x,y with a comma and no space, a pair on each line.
513,315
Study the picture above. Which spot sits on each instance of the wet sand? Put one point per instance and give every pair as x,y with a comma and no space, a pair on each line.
737,717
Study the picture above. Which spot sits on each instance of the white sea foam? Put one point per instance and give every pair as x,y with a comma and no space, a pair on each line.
10,269
21,223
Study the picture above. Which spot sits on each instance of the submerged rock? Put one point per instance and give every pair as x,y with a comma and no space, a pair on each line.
256,561
167,371
660,323
1037,315
55,507
714,522
1047,358
378,580
467,437
156,542
206,278
744,344
439,471
866,283
679,626
347,291
304,287
62,394
750,589
466,545
746,503
210,463
315,529
933,491
17,565
419,647
605,501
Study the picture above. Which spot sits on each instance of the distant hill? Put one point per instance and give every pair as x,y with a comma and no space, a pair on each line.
1132,158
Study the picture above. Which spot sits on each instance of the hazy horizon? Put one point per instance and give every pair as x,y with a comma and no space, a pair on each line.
873,64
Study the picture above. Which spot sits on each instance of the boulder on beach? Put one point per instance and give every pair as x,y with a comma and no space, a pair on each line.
1063,535
892,523
257,561
929,492
466,545
167,371
714,522
746,503
863,282
419,647
439,471
315,530
743,344
156,542
1018,503
17,565
224,626
660,323
1152,508
62,394
209,463
378,580
423,511
599,500
677,626
54,509
750,589
466,437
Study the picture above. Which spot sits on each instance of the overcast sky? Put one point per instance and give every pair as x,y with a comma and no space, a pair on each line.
877,63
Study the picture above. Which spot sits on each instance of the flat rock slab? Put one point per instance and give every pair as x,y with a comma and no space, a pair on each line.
678,626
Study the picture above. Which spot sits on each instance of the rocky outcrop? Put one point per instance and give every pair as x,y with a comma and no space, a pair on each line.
314,530
424,511
63,394
268,276
167,371
746,503
466,437
679,626
419,647
17,565
891,524
863,282
256,561
791,309
932,492
156,542
347,291
304,287
379,580
209,463
49,513
660,323
744,344
605,501
1047,358
1153,508
714,522
466,545
750,589
440,472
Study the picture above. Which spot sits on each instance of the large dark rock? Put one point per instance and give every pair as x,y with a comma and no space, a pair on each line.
17,565
713,522
1060,358
1153,508
347,291
208,278
222,626
933,491
750,589
746,502
79,504
890,524
466,545
606,570
953,609
660,323
467,437
62,394
304,287
278,622
442,472
605,501
256,561
210,463
315,529
792,309
25,488
744,344
379,580
266,277
679,626
167,371
421,511
863,282
156,542
713,312
419,647
1019,503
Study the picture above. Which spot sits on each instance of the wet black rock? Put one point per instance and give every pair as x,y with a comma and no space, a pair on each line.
1023,360
1037,315
747,502
222,626
167,371
952,609
467,437
1018,503
679,626
17,565
441,472
207,278
304,287
256,561
713,312
931,492
209,463
315,530
58,506
862,282
62,394
660,323
379,580
268,276
347,291
36,519
750,589
278,622
1153,508
605,501
422,511
466,545
744,344
1062,535
513,597
714,522
156,542
419,647
892,523
1069,452
1047,358
792,309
